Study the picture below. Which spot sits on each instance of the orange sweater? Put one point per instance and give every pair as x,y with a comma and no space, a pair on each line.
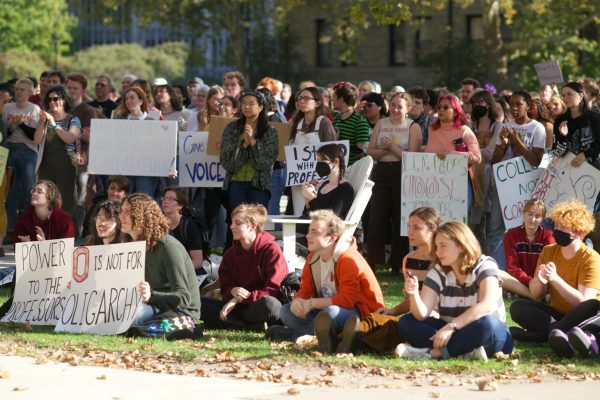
355,283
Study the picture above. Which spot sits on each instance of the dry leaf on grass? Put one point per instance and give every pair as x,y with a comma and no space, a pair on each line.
487,384
20,388
306,341
435,395
101,377
293,391
4,374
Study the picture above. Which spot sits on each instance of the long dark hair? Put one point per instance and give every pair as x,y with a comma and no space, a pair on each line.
334,151
489,100
299,114
578,87
263,122
112,210
175,100
62,93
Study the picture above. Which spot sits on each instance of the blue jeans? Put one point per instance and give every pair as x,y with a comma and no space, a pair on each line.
143,313
495,231
488,331
306,326
245,193
22,160
277,186
144,184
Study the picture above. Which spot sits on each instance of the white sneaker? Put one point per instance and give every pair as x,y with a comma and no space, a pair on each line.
476,354
412,353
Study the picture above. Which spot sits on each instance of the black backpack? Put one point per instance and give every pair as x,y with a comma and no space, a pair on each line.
289,287
195,216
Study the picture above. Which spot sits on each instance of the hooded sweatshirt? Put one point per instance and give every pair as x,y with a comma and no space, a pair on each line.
355,282
59,225
259,270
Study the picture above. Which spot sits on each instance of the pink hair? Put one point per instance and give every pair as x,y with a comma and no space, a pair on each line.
460,118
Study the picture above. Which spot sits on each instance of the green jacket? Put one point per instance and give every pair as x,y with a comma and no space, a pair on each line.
262,155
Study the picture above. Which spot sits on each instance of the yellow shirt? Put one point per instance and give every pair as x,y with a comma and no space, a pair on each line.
582,269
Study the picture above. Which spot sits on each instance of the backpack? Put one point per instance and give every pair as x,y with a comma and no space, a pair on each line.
168,325
289,287
195,216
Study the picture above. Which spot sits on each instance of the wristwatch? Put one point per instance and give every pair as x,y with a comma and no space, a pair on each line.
453,326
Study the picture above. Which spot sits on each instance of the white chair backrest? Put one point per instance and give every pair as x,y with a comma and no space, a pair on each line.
358,176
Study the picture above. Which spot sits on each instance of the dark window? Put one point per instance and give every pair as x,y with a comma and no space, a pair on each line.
475,28
423,38
397,45
324,43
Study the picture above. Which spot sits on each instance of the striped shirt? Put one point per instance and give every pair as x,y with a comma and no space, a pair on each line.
66,124
455,298
355,129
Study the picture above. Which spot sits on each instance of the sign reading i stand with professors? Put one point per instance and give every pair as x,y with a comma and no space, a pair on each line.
196,167
301,161
428,181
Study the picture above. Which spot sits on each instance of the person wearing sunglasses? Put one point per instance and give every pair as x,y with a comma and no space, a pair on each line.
59,131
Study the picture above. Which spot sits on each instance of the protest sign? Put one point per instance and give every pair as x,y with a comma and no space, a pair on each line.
428,181
283,137
515,181
301,162
137,148
43,271
549,72
3,160
562,182
103,295
196,167
215,133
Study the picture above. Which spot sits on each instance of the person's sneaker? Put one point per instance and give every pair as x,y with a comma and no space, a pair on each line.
325,333
349,335
559,343
404,350
522,335
584,343
279,333
476,354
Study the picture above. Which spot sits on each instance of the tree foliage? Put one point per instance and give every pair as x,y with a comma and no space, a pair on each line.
20,62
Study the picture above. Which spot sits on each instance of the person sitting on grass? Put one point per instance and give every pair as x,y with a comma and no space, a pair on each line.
105,225
378,331
569,270
522,247
118,189
463,285
250,275
337,283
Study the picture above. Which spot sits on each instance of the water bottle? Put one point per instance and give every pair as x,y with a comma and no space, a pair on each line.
460,145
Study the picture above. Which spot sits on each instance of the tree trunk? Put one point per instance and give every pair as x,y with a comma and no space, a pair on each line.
496,59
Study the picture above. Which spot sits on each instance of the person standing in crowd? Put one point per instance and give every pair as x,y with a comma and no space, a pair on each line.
126,82
196,112
38,99
170,281
228,106
106,227
170,106
391,137
103,102
213,98
59,131
468,88
569,270
546,92
309,125
234,83
22,117
556,107
248,151
373,109
250,275
55,78
337,283
591,90
350,125
286,93
463,286
145,86
417,112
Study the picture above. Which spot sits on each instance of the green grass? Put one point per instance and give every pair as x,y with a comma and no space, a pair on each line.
252,346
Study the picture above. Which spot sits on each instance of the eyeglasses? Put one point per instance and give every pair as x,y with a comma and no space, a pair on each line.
38,191
565,95
305,98
54,98
441,107
170,198
100,84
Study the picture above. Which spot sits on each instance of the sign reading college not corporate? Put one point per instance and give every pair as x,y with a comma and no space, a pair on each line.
196,167
301,161
83,289
428,181
135,148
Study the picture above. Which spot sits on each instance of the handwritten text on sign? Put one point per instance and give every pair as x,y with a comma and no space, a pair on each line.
301,162
428,181
515,180
103,296
43,271
138,148
561,182
196,167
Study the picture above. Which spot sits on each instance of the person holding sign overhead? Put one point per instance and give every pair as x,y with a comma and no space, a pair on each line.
248,151
391,137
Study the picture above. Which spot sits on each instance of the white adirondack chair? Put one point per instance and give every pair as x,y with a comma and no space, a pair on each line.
358,176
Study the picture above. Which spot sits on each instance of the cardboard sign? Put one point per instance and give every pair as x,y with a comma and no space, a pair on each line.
196,167
561,182
283,137
104,295
43,271
302,160
516,180
3,161
215,133
428,181
137,148
549,72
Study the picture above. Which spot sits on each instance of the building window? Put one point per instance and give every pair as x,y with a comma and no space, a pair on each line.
324,43
475,28
397,45
423,39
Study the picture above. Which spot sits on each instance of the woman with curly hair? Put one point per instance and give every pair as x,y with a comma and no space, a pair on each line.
170,277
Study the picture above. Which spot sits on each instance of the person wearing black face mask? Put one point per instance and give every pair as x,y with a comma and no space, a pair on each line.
570,271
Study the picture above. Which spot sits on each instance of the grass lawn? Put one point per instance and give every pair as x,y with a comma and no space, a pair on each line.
527,360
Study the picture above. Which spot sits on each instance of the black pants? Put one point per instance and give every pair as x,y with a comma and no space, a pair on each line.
587,313
244,316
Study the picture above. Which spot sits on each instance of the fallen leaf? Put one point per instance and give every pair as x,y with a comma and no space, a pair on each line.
306,341
293,391
4,374
487,384
20,388
101,377
514,362
435,395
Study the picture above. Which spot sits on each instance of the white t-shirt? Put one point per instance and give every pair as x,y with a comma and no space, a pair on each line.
533,134
327,278
18,136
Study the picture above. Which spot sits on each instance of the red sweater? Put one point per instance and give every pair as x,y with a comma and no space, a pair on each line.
522,256
259,270
59,225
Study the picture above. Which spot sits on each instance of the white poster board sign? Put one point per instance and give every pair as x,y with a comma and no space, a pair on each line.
3,161
562,182
515,180
137,148
549,72
301,162
196,167
104,295
43,271
428,181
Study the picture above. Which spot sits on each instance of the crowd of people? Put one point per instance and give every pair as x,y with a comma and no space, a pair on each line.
454,273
